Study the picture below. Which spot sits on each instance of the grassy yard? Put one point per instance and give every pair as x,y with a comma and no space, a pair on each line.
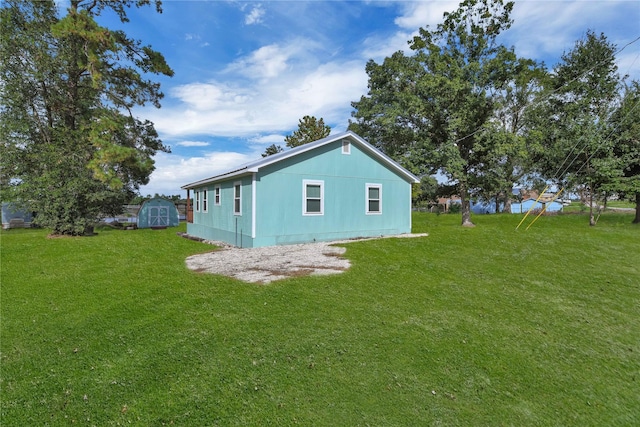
483,326
581,207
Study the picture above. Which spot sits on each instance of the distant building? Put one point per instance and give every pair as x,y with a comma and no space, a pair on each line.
485,207
444,203
525,205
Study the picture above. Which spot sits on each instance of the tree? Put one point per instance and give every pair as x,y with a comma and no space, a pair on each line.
272,149
425,193
72,148
511,148
575,119
430,110
625,122
309,129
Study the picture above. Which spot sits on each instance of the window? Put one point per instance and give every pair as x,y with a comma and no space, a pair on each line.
197,201
204,200
374,198
237,198
346,147
216,195
312,197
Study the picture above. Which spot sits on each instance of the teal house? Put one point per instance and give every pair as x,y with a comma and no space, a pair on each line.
339,187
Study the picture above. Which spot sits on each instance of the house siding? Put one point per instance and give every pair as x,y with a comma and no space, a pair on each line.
279,200
220,222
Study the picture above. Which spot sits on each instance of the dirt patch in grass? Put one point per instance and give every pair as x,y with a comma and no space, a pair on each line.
265,265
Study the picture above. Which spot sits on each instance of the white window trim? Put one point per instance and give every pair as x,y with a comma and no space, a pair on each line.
239,211
217,195
346,147
306,182
197,194
205,201
366,198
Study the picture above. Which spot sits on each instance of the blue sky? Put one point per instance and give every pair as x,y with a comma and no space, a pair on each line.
246,72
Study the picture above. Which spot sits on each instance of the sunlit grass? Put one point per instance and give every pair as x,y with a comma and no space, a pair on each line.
482,326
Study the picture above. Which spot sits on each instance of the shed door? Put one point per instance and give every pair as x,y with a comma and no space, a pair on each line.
158,216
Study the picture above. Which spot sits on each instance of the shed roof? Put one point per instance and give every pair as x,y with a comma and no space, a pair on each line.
255,166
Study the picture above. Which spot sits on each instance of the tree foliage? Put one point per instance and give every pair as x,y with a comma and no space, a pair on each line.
510,148
429,110
309,129
426,193
72,148
272,149
574,119
625,123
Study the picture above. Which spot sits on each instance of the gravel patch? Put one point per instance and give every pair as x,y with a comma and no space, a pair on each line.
267,264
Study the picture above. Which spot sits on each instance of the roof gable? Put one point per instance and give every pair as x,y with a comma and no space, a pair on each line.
255,166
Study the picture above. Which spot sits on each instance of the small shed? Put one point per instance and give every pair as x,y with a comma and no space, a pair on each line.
158,213
14,216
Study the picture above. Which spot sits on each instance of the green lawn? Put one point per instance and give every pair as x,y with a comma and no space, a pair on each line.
620,204
486,326
581,207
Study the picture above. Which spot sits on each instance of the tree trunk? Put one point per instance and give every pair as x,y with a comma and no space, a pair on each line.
507,205
466,206
637,218
592,220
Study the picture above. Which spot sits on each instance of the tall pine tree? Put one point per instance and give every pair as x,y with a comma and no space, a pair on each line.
309,129
72,148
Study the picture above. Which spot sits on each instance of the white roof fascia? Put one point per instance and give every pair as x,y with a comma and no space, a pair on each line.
216,178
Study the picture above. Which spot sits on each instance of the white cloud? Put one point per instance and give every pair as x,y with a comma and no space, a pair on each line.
274,59
414,15
192,144
378,48
332,86
545,27
270,100
273,138
208,96
421,14
550,28
255,16
629,63
266,62
173,171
